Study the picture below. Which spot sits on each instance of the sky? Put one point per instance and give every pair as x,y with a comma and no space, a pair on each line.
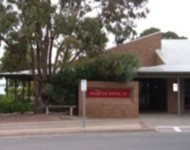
167,15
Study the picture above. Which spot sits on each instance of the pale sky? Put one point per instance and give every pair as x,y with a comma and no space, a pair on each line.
168,15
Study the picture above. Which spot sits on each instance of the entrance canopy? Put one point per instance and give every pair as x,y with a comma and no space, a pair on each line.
21,75
165,71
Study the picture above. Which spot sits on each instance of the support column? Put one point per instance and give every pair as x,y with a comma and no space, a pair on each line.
178,97
29,90
23,89
175,99
15,88
7,83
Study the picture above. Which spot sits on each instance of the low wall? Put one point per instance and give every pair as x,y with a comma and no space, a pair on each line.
110,100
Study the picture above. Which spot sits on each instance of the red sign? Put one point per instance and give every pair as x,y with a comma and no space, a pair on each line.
108,93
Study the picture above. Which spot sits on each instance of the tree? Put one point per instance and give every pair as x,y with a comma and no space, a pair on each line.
64,28
15,58
149,31
172,35
165,35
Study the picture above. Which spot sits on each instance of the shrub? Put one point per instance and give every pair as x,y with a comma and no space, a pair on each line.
65,87
109,67
9,105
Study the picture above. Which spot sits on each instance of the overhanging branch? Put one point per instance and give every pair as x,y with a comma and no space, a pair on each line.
4,39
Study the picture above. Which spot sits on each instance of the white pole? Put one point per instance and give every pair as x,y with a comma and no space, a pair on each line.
84,109
83,90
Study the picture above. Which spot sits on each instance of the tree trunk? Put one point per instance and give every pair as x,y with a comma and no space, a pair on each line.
39,101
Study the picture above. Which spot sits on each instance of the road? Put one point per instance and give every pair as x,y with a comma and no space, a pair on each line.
99,141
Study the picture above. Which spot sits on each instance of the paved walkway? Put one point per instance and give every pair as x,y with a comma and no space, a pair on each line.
145,122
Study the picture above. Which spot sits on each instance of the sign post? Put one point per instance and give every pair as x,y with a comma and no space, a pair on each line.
84,89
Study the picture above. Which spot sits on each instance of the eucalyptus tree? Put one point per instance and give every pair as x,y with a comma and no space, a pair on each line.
56,33
149,31
165,35
172,35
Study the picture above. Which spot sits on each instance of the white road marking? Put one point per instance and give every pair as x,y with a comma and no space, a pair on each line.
177,129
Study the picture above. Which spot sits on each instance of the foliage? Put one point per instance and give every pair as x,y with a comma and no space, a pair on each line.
9,105
48,93
149,31
14,61
20,89
107,67
39,28
110,67
172,35
65,87
165,35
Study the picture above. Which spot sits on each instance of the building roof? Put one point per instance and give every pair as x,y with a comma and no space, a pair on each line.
175,55
165,71
23,72
175,51
23,75
177,68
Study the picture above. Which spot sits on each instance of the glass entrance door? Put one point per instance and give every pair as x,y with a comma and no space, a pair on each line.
152,95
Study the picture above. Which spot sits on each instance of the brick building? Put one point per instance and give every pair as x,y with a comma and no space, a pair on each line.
165,66
162,83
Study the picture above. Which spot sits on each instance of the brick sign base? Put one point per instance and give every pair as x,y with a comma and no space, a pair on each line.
110,100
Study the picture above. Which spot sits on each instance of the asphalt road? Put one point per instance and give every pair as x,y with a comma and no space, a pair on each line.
99,141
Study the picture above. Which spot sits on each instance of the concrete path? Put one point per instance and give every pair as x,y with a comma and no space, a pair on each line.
168,122
146,122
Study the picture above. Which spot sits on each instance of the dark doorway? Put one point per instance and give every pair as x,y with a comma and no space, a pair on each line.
187,94
152,95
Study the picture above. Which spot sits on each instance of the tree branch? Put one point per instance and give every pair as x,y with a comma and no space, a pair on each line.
56,57
76,55
4,40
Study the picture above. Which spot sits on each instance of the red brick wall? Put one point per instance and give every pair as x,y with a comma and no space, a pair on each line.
172,96
144,48
111,107
159,61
